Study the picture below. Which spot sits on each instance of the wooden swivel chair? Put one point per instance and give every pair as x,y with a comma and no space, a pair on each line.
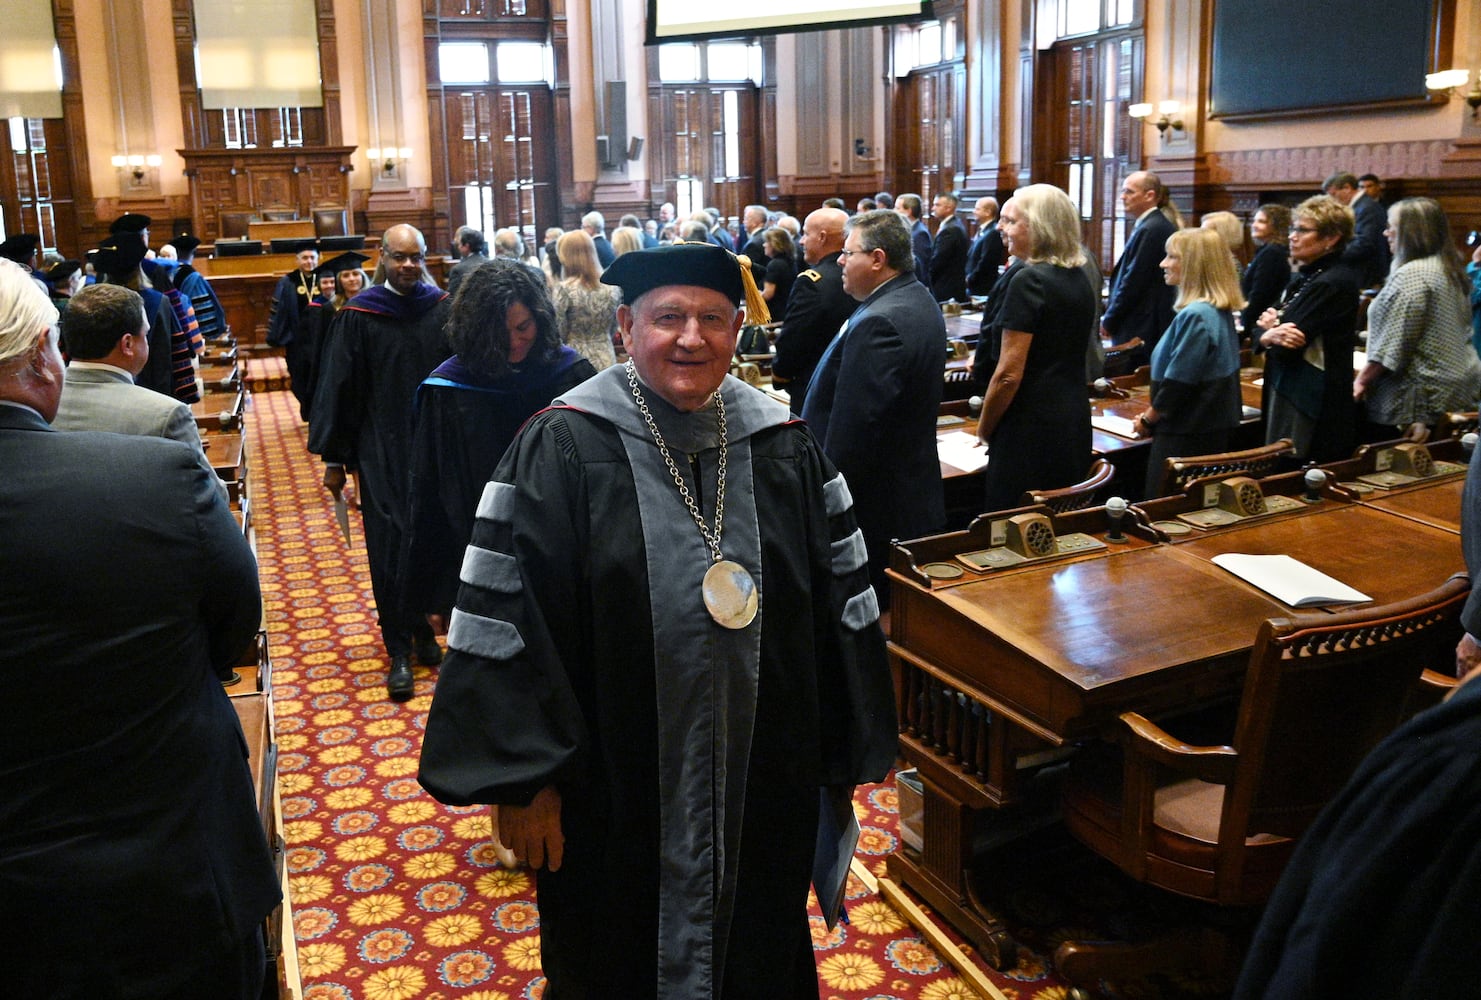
1077,497
331,220
1219,823
234,223
1179,472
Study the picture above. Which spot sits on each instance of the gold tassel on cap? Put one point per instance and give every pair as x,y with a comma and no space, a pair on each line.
756,310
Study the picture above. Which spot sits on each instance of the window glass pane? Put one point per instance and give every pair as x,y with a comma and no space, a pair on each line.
463,62
929,38
521,62
689,197
732,134
729,61
18,135
1079,16
678,63
1124,12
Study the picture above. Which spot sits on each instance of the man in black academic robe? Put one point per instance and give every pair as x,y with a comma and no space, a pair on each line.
383,343
657,760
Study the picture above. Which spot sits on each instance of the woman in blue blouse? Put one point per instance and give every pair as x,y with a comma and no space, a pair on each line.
1195,366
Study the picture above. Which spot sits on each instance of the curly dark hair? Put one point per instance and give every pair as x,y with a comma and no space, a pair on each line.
476,329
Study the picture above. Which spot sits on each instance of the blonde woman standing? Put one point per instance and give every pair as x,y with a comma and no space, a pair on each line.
585,309
1195,403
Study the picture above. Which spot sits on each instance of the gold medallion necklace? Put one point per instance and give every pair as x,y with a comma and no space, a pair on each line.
728,589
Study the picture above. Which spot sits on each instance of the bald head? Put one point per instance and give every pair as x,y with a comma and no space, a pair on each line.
404,255
822,234
985,211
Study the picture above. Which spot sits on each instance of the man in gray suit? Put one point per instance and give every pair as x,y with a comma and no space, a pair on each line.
108,339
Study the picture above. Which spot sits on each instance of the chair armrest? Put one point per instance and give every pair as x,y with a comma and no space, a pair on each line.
1151,742
1437,682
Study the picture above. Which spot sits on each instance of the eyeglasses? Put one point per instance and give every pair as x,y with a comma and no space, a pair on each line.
403,258
850,253
1304,229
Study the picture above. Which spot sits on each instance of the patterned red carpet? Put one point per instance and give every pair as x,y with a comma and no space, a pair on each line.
396,896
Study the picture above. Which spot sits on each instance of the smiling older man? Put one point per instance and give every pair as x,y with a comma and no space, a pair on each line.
665,646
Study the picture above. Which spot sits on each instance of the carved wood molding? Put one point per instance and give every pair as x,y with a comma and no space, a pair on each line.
1308,166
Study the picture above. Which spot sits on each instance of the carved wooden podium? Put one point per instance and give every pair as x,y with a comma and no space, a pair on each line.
256,181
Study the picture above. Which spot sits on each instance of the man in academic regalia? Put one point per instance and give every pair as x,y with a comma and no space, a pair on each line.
655,688
21,248
196,289
291,296
384,342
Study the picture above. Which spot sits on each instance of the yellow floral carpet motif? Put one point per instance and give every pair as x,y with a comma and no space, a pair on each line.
396,896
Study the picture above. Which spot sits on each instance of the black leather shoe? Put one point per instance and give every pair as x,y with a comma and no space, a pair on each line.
429,654
399,682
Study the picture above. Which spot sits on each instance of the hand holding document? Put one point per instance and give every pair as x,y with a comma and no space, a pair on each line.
1288,580
961,450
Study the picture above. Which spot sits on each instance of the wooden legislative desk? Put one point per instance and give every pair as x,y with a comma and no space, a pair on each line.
219,410
998,673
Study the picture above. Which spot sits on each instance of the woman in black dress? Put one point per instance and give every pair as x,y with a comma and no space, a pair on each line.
1270,268
781,270
1308,339
1036,413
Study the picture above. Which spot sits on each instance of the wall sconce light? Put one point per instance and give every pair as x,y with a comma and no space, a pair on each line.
1169,110
135,164
1452,80
390,156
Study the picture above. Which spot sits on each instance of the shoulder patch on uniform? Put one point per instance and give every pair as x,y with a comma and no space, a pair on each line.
811,275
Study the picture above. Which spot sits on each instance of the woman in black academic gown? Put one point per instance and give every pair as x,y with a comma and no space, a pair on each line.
509,364
338,279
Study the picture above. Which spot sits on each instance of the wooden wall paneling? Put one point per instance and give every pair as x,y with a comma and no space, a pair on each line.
333,126
983,109
560,140
75,226
442,228
861,91
182,18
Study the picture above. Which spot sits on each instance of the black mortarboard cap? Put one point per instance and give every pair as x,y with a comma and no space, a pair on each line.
701,264
185,244
20,248
120,254
62,270
130,222
350,261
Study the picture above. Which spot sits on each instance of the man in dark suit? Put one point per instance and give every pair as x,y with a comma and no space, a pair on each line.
817,307
1140,302
948,252
754,220
596,227
874,395
473,250
986,254
1367,251
910,208
132,853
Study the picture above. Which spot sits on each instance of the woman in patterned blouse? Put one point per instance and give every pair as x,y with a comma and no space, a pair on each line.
1420,361
585,309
